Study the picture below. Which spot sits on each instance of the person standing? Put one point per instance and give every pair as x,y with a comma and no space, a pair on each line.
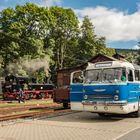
21,96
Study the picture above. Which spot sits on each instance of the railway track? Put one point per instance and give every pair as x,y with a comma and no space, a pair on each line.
35,114
9,110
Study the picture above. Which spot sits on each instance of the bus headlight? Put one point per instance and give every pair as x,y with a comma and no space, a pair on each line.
85,97
117,91
116,97
84,91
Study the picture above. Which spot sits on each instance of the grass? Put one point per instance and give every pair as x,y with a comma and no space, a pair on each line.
21,112
15,103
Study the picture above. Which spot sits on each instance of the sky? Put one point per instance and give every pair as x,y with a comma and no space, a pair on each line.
117,20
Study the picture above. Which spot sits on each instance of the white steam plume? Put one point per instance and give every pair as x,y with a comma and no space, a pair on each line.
29,66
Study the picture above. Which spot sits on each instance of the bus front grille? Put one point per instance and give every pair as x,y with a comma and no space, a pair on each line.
99,97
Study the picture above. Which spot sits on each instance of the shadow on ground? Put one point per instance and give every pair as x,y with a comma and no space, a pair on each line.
85,117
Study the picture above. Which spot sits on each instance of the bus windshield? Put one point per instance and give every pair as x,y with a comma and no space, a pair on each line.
108,75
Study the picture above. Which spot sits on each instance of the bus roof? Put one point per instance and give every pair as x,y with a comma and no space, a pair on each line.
112,64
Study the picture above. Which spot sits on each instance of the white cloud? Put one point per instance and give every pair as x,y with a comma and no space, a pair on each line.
115,25
135,47
49,3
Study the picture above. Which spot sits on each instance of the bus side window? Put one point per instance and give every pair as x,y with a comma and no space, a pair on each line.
137,75
130,75
77,77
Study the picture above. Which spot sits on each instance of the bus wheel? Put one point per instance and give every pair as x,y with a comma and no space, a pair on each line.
137,113
101,114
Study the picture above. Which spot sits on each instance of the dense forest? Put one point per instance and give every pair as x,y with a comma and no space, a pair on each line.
37,41
131,55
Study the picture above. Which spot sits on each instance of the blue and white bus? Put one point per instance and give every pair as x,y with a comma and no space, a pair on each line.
107,87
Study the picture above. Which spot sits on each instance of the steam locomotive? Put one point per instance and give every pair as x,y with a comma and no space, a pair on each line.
13,84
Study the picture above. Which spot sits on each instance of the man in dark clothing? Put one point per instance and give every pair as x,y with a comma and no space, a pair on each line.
21,96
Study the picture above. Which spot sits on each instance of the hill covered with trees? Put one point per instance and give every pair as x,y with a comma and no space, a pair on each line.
130,55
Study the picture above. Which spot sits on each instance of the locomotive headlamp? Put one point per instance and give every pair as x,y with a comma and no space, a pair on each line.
116,97
85,97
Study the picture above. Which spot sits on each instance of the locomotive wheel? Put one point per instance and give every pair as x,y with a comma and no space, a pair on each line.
50,95
27,96
4,98
42,95
16,97
31,95
35,96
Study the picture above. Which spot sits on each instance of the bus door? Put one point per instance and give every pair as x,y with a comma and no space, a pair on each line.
76,87
133,87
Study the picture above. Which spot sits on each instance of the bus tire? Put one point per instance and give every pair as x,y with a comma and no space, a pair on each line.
137,113
101,114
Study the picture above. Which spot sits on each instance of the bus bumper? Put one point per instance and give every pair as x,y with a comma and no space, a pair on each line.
116,107
113,103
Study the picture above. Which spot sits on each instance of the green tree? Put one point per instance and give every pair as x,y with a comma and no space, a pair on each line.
40,75
102,49
128,56
89,44
101,46
87,40
29,32
34,31
23,30
64,31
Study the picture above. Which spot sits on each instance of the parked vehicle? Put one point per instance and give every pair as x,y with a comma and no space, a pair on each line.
107,87
61,92
13,84
61,95
2,80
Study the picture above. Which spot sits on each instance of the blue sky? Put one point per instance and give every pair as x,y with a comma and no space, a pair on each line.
117,20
